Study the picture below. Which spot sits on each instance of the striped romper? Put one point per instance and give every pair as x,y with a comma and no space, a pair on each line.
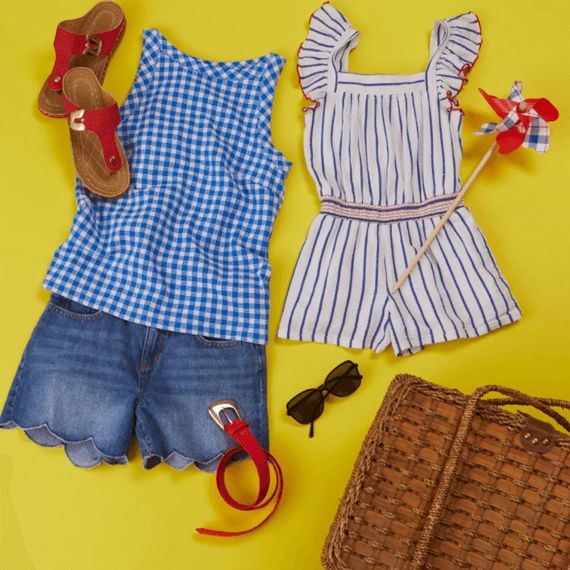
385,152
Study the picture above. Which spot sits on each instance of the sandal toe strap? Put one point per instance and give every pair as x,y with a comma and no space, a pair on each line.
103,122
68,43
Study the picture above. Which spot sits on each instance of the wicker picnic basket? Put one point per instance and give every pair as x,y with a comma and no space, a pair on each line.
446,481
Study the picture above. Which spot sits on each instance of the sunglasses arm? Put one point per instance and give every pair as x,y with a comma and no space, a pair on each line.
312,430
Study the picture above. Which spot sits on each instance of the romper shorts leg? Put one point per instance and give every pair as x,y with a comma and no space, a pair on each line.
87,379
341,289
455,291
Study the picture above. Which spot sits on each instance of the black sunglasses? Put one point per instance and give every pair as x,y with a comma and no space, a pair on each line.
307,406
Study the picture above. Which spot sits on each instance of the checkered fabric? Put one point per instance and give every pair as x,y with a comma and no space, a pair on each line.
537,133
186,248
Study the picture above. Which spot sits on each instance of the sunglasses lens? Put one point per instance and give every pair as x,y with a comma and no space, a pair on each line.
306,406
343,380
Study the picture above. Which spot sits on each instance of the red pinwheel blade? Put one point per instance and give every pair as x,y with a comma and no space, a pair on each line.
546,110
500,106
510,140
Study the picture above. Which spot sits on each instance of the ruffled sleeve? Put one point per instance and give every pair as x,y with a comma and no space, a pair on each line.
459,39
325,51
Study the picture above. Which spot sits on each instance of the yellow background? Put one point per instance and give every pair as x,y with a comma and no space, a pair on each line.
56,516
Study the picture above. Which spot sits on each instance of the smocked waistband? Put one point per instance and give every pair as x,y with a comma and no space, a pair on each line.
387,214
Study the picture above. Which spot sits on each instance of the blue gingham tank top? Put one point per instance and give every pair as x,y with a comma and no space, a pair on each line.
186,248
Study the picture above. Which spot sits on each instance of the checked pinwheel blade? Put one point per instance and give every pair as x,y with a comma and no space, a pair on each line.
525,121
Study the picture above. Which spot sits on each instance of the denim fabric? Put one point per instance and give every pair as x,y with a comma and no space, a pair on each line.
86,379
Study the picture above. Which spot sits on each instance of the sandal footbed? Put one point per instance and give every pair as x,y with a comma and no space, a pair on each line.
82,89
102,17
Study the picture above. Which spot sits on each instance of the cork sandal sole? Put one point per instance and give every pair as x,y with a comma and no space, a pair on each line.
82,88
102,17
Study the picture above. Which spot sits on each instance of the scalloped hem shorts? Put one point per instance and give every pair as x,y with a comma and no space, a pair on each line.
86,379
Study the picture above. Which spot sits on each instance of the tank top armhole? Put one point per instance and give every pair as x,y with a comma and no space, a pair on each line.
144,76
265,106
324,53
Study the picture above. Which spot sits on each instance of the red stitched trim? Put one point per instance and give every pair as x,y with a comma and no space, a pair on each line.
465,69
449,94
475,60
481,34
311,107
298,72
453,102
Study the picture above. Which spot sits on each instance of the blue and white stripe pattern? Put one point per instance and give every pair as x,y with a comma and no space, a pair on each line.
186,248
385,153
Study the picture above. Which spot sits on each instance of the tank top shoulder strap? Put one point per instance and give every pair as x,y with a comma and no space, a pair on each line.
144,77
325,51
265,93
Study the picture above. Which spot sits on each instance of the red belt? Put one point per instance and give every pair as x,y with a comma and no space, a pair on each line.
239,430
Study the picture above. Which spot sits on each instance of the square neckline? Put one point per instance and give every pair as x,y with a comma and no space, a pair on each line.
416,81
323,64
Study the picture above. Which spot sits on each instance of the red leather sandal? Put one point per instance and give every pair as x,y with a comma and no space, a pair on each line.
93,116
89,41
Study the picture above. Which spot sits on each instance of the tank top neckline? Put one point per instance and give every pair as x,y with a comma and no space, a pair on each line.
213,68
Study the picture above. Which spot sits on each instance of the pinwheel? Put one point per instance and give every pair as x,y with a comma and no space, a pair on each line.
525,123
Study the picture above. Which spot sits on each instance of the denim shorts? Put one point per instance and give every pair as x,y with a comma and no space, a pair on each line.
86,379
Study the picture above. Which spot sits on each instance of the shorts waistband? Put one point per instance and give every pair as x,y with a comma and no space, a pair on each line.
387,214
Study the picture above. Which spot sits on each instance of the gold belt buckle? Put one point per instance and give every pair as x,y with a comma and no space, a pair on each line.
220,407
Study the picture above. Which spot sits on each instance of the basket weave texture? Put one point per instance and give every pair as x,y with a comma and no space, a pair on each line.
504,508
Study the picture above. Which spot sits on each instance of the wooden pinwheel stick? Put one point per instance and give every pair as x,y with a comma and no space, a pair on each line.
446,217
521,107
